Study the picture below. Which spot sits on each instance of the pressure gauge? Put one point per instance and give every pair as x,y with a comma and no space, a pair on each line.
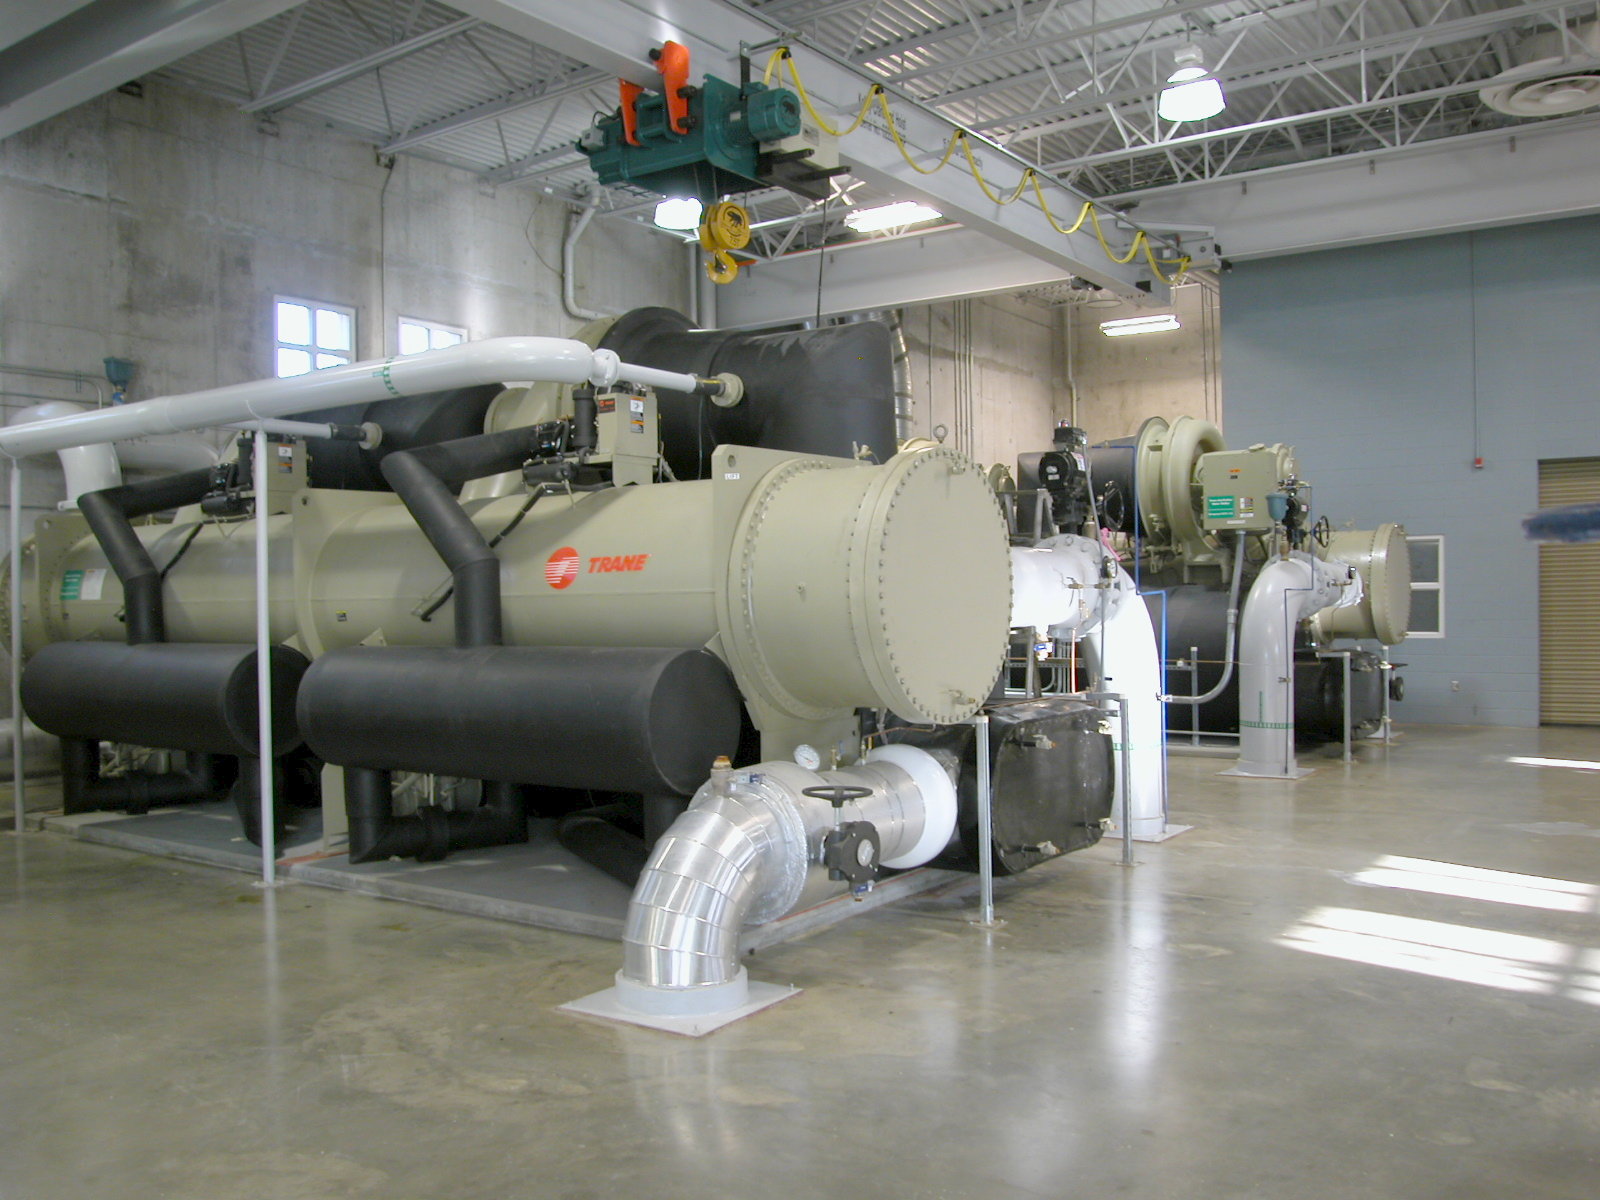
808,757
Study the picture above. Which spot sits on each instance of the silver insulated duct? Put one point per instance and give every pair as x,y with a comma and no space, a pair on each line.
757,844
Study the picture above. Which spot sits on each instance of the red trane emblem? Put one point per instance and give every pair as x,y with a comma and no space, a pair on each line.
561,568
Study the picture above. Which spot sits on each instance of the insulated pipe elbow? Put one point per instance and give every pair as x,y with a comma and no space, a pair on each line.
748,851
87,468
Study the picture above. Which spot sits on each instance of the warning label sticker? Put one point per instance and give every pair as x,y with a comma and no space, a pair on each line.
83,585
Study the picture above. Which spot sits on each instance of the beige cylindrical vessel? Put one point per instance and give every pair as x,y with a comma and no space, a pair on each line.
826,585
1382,558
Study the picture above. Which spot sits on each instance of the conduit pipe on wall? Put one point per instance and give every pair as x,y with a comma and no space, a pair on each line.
1285,593
748,851
539,359
569,254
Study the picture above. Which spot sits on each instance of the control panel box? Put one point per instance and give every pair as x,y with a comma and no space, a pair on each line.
1235,485
626,426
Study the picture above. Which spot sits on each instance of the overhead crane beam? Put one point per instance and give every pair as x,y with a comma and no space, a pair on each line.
616,36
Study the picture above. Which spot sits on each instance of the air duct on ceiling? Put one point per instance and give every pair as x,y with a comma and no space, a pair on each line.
1557,74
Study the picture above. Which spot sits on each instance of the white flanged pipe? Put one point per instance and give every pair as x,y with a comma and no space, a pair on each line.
1286,592
87,468
748,851
539,359
1124,649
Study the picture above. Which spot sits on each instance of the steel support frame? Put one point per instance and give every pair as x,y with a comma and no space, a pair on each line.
616,36
103,45
1477,181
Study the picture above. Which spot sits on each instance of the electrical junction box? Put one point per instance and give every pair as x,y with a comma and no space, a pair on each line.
1235,485
628,436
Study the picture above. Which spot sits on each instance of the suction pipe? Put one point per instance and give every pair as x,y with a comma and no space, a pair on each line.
1286,592
1124,653
87,468
539,359
748,851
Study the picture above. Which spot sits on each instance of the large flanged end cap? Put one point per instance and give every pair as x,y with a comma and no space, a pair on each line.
1382,557
931,586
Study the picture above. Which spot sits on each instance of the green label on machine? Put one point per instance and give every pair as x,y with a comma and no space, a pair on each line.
71,585
1219,508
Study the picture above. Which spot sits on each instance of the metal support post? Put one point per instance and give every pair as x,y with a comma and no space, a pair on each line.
14,522
1386,721
1349,733
985,824
269,848
1127,783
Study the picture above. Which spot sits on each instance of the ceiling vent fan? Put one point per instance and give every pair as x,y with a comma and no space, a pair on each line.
1557,75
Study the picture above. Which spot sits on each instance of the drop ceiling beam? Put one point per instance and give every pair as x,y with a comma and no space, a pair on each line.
104,44
615,36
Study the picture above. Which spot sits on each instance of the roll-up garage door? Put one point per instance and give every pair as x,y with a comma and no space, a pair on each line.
1569,603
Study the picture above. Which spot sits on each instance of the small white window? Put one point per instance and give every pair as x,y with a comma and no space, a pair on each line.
1427,586
312,335
417,335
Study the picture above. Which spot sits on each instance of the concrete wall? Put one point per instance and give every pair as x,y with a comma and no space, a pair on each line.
1120,382
159,230
990,371
1390,368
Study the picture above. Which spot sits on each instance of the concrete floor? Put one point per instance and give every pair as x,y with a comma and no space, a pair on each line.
171,1031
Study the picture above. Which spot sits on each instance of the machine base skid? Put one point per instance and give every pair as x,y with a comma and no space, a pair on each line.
538,883
605,1006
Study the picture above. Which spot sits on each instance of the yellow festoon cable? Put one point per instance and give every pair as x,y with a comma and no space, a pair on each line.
876,95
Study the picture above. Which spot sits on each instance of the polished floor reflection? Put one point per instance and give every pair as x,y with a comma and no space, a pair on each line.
1380,982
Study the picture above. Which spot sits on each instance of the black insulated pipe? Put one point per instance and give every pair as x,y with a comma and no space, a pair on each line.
426,480
110,512
602,838
814,391
432,832
85,789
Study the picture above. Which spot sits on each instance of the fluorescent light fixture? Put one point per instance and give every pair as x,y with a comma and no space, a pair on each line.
890,216
1192,92
1158,323
678,212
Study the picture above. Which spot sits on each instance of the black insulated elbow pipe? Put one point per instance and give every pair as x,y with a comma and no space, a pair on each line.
426,479
84,789
431,832
109,513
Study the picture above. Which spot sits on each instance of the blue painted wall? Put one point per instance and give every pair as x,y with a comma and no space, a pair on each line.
1377,362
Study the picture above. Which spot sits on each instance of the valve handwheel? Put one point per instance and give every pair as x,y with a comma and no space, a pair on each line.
837,794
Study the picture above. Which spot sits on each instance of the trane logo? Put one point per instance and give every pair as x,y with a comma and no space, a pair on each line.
621,562
561,568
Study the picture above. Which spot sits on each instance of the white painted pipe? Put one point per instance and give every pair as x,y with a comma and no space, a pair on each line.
179,452
87,468
1287,591
541,359
1053,586
1124,651
569,274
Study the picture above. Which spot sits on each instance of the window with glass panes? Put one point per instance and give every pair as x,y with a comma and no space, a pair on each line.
312,335
1427,586
417,335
